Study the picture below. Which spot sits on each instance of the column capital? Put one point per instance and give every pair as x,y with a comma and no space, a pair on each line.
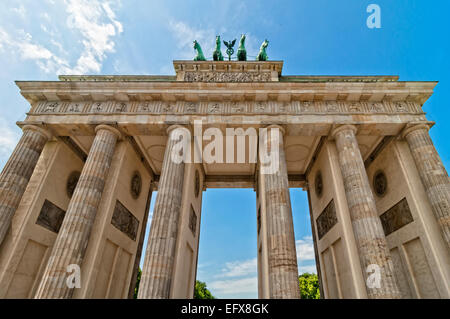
283,131
41,130
109,128
411,127
343,127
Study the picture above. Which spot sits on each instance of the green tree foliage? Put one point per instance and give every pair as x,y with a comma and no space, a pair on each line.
309,286
137,283
201,292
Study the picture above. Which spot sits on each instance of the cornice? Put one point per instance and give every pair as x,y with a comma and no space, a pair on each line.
35,91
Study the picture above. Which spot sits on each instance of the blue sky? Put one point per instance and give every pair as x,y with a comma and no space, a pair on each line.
41,39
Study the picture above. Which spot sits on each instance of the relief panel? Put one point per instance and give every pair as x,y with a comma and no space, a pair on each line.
396,217
225,107
190,76
51,217
326,220
125,221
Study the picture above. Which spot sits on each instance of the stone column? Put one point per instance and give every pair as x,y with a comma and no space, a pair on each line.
156,278
367,228
17,172
73,237
432,173
282,256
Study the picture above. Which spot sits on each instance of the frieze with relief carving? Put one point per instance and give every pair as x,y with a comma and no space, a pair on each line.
228,107
241,77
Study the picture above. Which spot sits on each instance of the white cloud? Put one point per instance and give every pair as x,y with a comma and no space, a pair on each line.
240,277
87,17
8,140
309,269
239,268
150,217
45,16
234,286
237,278
28,50
185,36
21,11
305,255
94,23
305,249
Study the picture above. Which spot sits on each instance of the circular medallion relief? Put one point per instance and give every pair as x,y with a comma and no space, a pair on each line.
72,183
380,183
318,184
197,184
136,185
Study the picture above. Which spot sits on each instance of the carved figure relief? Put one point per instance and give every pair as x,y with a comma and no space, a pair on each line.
51,107
318,184
326,220
380,183
191,107
193,221
136,185
51,217
190,76
214,108
75,108
396,217
97,107
331,106
121,107
125,221
197,184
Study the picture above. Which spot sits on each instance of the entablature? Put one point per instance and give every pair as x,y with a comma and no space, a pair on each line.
84,91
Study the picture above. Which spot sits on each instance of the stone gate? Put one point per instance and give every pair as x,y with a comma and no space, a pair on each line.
76,191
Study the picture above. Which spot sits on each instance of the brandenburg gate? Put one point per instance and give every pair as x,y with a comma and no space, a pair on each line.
75,193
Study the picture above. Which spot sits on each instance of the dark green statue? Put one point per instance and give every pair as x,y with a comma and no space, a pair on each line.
198,48
262,55
217,54
230,50
241,52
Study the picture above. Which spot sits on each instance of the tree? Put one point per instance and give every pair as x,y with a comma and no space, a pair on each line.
137,283
309,286
201,292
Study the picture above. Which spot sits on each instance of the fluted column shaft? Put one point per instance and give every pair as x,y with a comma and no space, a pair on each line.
432,173
367,228
156,278
17,172
282,256
72,240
